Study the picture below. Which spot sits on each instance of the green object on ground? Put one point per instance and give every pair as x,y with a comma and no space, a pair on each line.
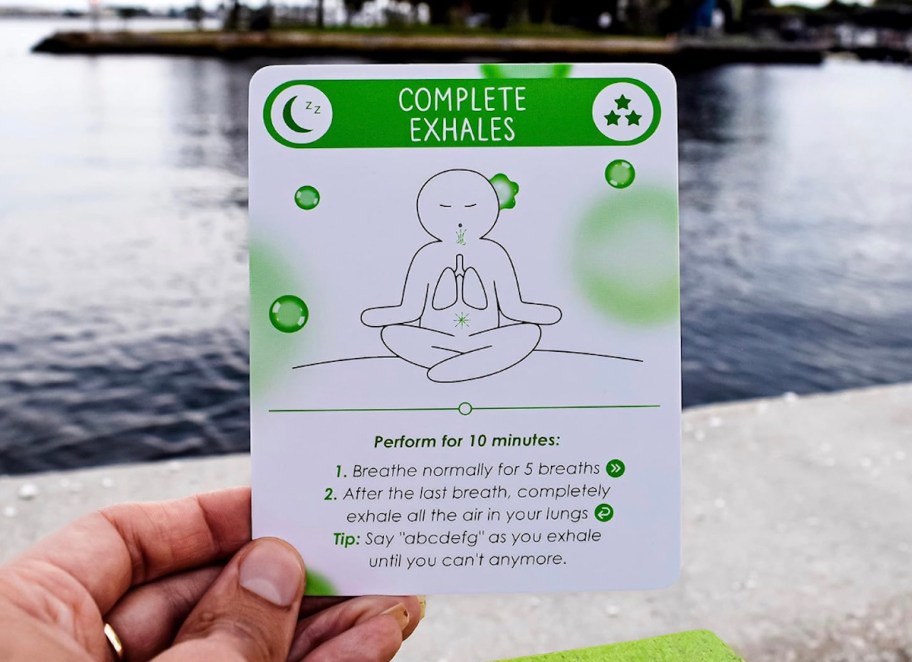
700,645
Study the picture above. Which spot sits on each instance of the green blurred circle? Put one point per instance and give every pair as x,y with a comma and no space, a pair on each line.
625,255
525,70
288,313
620,173
307,197
318,584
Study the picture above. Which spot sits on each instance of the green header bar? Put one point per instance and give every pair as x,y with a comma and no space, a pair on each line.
507,112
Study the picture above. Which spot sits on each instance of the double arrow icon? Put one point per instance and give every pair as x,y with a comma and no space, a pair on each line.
615,468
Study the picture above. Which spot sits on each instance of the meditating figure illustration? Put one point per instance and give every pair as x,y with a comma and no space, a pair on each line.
462,315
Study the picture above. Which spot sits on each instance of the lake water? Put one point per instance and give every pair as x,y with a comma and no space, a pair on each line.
123,257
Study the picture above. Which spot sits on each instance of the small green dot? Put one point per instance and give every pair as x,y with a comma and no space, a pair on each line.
620,173
307,197
465,408
288,313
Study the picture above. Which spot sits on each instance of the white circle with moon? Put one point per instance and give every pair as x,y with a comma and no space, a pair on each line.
622,111
301,114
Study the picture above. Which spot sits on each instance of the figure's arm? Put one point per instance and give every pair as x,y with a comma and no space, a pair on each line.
414,296
509,297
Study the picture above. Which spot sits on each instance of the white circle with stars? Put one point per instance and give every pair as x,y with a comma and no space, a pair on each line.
622,111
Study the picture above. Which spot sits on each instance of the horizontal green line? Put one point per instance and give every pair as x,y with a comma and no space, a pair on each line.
573,407
514,408
311,411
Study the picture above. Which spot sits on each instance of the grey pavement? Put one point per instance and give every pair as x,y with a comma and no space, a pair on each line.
797,538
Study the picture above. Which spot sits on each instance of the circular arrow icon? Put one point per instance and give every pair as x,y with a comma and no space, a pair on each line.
615,468
604,512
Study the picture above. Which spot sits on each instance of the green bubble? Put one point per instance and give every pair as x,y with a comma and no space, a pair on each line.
625,256
307,197
620,173
288,313
506,190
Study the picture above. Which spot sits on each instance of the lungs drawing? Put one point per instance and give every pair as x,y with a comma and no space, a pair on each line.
459,285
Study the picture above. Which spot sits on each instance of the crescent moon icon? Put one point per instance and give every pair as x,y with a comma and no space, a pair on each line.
289,120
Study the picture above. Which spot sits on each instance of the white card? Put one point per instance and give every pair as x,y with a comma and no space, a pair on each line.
465,346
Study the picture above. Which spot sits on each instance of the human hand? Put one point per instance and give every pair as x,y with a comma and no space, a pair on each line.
181,580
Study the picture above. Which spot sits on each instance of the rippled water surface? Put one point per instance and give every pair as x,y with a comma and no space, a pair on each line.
123,277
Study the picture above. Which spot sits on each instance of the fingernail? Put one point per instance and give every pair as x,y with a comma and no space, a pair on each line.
273,572
422,602
400,613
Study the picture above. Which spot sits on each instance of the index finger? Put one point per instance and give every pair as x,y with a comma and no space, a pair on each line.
122,546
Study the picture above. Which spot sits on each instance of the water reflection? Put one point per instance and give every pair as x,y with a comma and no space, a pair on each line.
794,226
123,245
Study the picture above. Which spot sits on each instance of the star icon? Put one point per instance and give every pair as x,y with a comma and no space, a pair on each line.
613,118
622,102
633,118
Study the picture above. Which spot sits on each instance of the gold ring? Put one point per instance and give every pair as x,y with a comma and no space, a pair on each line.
114,640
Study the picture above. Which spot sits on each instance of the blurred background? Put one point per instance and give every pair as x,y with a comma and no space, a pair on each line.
123,287
123,255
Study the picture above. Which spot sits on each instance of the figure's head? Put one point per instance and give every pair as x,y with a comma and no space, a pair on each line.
457,206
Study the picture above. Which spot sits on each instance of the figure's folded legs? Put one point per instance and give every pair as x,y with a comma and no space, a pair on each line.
422,347
498,349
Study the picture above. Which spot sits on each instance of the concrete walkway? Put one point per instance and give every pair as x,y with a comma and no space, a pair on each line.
797,539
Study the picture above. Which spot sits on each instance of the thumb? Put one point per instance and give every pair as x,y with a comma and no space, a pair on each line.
251,610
